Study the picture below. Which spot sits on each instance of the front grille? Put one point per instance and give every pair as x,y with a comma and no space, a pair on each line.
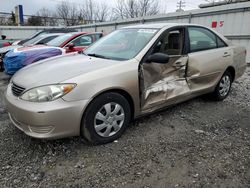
17,90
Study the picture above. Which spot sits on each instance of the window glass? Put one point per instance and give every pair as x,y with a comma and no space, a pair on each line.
45,40
33,40
171,43
220,43
60,40
201,39
122,44
82,41
98,36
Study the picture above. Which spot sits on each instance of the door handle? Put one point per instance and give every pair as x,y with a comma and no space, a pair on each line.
226,54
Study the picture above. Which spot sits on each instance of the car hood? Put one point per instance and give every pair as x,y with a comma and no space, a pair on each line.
59,69
29,48
8,48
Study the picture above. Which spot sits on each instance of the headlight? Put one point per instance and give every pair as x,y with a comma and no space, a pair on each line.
47,93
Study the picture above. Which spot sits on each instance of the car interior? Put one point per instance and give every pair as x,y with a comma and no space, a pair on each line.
170,44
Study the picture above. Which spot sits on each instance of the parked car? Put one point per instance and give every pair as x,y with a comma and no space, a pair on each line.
75,42
71,42
129,73
4,42
19,58
41,39
46,31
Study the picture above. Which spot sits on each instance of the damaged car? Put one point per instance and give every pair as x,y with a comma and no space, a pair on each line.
127,74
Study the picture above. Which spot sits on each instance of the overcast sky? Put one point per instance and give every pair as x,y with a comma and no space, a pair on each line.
32,6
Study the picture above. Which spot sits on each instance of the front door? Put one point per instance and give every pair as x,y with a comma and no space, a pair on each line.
163,83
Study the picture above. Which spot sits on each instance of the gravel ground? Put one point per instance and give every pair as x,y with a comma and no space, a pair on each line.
198,143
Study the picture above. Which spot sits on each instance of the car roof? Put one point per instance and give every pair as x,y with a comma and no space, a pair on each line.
61,29
160,25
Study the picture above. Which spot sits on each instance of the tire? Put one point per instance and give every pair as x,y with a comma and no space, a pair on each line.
223,87
1,62
106,118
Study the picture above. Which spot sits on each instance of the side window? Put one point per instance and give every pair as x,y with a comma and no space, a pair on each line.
82,41
171,43
201,39
220,43
98,36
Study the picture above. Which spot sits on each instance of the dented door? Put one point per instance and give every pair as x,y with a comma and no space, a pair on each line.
162,84
208,58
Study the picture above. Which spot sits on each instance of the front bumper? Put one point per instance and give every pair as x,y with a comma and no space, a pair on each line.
50,120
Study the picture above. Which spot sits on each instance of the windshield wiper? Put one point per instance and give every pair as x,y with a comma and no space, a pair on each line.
97,55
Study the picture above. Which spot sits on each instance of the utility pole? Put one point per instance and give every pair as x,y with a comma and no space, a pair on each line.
180,5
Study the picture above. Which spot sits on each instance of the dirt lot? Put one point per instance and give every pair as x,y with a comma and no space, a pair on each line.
198,143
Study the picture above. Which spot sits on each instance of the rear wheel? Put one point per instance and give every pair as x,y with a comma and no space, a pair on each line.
106,118
223,87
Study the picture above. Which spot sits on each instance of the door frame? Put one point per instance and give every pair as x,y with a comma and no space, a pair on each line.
149,52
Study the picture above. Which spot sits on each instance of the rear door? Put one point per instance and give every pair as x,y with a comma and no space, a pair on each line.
162,84
208,57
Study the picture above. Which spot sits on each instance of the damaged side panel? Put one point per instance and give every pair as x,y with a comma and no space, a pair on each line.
162,83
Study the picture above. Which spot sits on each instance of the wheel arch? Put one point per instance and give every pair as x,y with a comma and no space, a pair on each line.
120,91
114,90
231,69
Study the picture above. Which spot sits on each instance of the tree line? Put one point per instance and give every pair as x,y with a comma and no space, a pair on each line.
92,11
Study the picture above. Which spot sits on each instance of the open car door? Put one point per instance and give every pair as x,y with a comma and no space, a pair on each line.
163,82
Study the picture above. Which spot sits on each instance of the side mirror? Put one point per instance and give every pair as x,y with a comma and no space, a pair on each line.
71,46
3,37
158,58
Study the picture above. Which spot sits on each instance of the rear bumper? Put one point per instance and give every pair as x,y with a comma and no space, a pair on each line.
241,70
50,120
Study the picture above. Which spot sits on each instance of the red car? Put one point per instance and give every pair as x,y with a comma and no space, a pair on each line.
74,42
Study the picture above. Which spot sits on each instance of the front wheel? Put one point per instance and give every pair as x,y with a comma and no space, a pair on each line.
223,87
106,118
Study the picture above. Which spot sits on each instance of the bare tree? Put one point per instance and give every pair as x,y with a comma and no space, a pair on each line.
102,12
92,12
47,16
148,7
119,11
88,11
136,8
68,12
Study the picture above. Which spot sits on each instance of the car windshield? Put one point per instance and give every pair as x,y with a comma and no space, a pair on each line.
36,34
59,40
123,44
34,40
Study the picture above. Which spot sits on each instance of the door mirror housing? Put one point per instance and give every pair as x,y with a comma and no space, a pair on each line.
158,58
71,46
3,37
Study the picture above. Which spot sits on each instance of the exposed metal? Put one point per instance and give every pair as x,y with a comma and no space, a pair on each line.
162,82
